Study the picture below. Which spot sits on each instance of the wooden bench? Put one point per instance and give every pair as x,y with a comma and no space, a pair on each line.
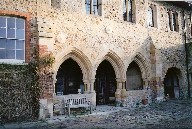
76,103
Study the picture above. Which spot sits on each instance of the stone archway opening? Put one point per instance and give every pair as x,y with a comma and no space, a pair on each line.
171,83
105,84
69,78
134,77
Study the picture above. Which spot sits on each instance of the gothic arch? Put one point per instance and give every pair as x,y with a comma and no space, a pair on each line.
143,64
175,65
173,81
181,75
78,56
115,61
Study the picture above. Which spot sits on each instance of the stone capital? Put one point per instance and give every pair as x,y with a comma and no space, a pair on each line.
124,80
85,81
119,80
92,80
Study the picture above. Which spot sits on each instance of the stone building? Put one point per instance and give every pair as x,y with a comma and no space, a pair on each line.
112,51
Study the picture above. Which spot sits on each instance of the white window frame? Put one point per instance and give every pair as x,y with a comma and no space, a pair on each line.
150,16
15,60
173,21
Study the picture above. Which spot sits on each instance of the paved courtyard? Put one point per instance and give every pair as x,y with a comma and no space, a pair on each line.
172,114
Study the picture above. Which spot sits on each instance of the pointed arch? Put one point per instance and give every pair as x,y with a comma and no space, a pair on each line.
134,79
181,76
78,56
174,65
143,64
115,61
173,82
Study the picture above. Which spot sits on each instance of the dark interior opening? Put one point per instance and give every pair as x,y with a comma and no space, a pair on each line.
171,83
69,78
105,84
134,78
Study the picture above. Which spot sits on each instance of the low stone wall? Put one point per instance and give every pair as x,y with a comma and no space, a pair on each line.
59,105
137,98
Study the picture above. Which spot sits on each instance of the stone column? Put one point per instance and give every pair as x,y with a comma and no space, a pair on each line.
145,84
123,83
118,92
93,93
123,93
119,83
92,85
86,86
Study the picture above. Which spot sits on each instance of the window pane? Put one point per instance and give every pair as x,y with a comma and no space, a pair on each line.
95,7
11,22
150,17
20,23
20,54
87,6
124,11
129,5
10,54
2,43
20,44
2,22
95,2
20,34
130,10
2,53
10,33
169,16
3,32
124,6
10,44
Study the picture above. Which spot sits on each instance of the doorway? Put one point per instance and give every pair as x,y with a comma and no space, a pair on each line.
69,78
171,83
105,84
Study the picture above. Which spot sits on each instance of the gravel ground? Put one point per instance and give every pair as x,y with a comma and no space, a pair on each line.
172,114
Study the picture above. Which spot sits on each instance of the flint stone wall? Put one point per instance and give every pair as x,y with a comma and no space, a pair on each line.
62,27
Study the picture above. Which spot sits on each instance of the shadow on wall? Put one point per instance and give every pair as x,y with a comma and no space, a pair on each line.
174,71
170,65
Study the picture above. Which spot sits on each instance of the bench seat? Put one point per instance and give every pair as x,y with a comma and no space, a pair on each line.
76,103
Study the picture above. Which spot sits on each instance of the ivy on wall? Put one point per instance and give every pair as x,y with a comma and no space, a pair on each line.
20,89
18,92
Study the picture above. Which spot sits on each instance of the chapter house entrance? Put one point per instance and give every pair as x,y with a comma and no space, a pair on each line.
105,84
69,78
171,83
134,78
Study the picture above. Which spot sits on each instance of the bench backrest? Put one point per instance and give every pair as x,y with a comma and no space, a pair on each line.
75,101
